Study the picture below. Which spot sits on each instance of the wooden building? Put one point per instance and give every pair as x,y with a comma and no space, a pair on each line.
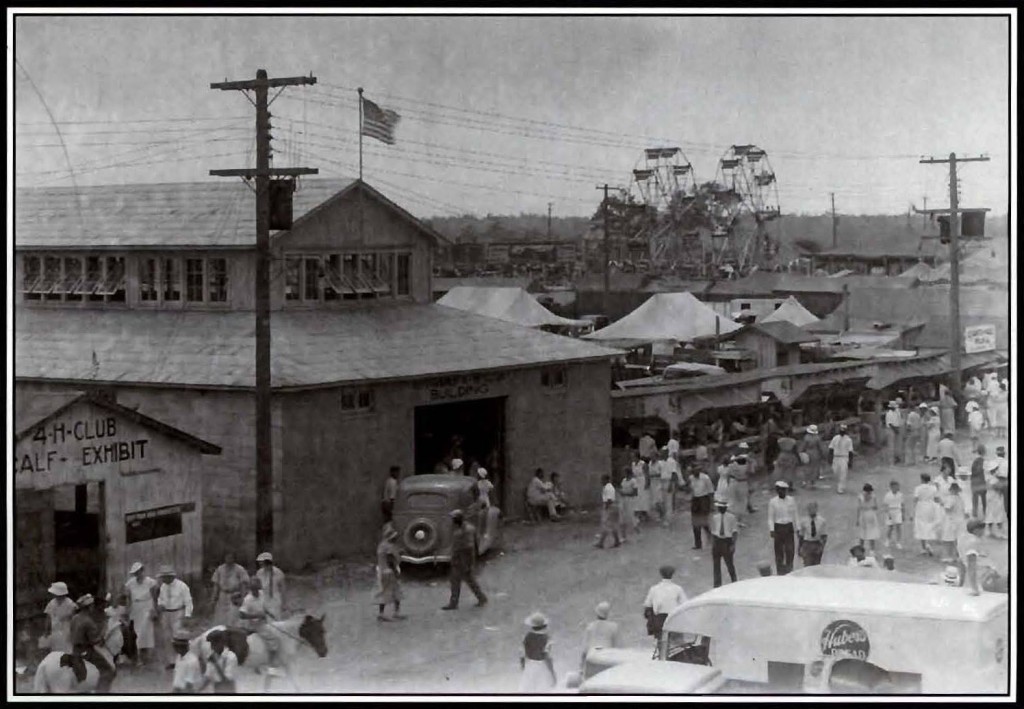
148,289
98,486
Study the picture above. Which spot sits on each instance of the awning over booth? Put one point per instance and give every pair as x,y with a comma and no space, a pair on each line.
791,311
665,316
513,305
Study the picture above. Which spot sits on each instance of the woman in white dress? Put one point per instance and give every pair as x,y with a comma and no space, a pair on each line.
999,409
538,667
641,471
995,510
927,514
141,591
58,617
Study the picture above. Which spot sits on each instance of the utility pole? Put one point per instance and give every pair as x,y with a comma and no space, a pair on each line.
834,223
549,220
924,217
956,335
607,286
262,174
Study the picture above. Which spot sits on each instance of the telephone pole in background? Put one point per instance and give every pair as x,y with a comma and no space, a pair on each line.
549,220
924,216
835,241
262,174
956,343
607,287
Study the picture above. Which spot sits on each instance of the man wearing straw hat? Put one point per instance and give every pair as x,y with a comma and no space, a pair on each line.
87,638
174,602
142,611
59,612
724,531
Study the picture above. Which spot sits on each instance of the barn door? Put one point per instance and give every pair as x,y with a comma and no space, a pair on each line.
33,551
79,540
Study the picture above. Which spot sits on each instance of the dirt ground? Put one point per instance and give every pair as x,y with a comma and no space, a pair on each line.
552,567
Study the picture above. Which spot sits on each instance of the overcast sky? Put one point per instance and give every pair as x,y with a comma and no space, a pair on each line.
506,114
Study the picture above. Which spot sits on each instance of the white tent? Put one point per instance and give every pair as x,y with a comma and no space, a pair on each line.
513,305
677,317
791,311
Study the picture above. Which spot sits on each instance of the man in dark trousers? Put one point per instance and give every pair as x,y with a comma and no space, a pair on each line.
463,558
813,533
782,523
724,530
87,637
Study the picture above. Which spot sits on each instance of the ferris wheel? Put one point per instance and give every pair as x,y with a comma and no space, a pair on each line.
745,199
663,181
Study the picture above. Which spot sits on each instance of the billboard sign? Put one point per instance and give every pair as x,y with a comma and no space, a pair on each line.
979,338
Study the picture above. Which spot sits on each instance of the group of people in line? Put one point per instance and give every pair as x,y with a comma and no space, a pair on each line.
154,614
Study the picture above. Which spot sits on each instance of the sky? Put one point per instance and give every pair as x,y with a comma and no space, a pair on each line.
505,114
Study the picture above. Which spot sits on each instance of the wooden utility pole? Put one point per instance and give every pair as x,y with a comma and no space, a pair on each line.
956,334
262,174
924,217
607,283
549,220
835,242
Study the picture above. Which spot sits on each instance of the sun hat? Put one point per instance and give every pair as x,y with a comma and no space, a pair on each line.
603,609
898,400
456,463
744,445
782,484
537,621
58,588
265,556
951,575
166,570
813,428
86,600
934,409
892,404
922,405
886,556
842,427
136,566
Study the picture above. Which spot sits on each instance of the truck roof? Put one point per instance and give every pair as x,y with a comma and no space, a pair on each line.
434,481
851,596
653,677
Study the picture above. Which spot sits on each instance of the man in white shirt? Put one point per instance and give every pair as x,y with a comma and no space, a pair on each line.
782,523
813,532
188,675
662,598
272,582
221,665
725,529
668,474
673,446
174,602
253,616
842,448
701,490
893,425
609,514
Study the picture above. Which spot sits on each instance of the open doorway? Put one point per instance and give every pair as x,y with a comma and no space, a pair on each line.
474,429
78,539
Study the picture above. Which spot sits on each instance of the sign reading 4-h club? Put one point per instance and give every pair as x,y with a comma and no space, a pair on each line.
844,638
979,338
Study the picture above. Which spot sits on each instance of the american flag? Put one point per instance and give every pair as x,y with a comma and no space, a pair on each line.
379,122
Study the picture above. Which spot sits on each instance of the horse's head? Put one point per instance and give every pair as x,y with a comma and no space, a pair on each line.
312,631
77,665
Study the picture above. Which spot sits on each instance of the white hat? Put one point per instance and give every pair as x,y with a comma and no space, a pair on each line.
265,556
951,576
934,409
744,445
86,600
136,566
456,463
892,404
166,570
783,484
537,621
922,405
971,406
482,472
813,428
58,588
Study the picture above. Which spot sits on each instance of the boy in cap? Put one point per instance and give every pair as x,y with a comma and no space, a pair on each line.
724,531
188,675
463,557
272,582
174,601
782,522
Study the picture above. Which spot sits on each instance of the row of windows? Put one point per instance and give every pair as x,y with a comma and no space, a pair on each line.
329,277
73,278
206,280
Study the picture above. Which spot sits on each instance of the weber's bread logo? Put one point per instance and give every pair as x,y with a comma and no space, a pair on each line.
844,638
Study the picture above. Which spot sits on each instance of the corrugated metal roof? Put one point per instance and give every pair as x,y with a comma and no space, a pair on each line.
310,348
212,214
784,332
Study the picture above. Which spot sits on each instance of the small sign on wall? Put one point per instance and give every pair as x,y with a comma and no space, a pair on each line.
979,338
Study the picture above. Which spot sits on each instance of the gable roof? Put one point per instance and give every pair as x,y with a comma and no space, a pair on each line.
679,317
781,331
38,409
319,348
790,311
513,305
210,214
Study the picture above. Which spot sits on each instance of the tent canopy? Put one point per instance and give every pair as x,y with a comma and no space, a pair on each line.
791,311
513,305
665,316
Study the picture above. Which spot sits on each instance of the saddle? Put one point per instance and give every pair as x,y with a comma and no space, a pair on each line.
77,664
237,641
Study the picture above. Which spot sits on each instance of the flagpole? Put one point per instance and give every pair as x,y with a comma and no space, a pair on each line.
360,90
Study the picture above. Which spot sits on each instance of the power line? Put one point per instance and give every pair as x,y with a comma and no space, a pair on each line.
118,121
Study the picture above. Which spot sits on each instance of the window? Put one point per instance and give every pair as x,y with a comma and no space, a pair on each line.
402,283
171,280
72,279
744,306
115,285
51,278
194,280
311,285
554,377
93,277
148,291
356,399
30,277
217,272
292,279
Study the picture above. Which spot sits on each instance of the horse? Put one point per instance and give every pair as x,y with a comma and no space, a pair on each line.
65,673
252,651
